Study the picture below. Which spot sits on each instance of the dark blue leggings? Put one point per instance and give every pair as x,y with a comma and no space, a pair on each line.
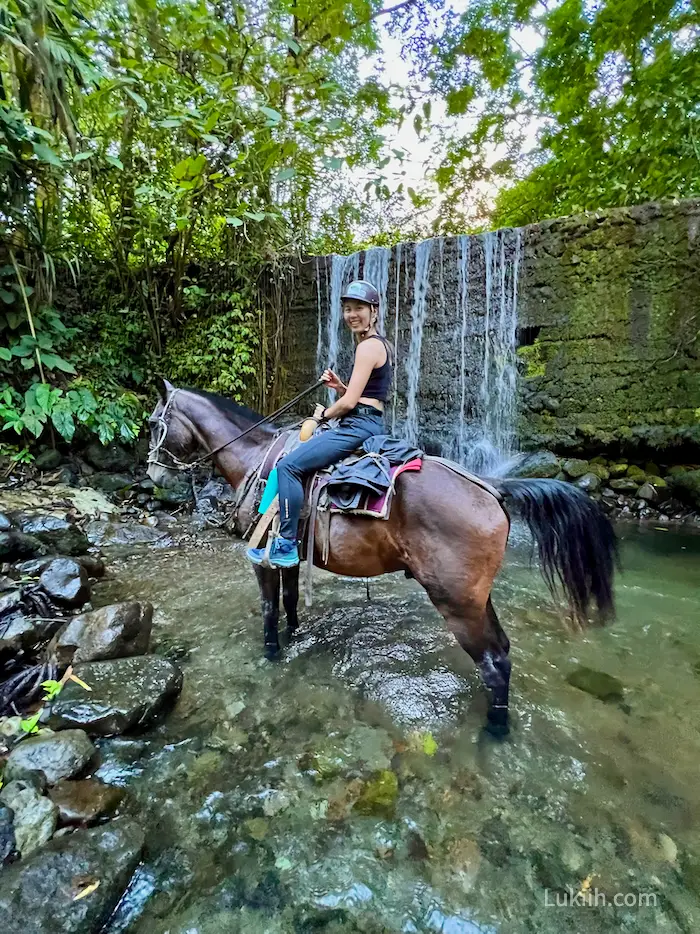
322,450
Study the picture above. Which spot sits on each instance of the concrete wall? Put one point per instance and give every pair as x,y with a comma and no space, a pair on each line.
608,319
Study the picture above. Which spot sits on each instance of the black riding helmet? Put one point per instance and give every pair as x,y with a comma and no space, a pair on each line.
362,291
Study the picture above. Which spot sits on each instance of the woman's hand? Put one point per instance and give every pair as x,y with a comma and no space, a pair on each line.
333,381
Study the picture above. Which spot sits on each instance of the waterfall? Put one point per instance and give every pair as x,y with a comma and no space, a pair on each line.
421,285
464,244
376,271
490,436
396,337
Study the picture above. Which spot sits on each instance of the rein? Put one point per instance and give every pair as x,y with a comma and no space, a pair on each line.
177,464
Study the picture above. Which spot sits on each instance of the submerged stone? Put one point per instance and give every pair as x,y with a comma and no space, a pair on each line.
597,683
85,801
378,796
41,894
125,693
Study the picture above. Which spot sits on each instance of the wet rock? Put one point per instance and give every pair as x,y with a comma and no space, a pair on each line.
66,582
95,567
111,482
102,532
59,534
8,845
575,467
48,460
542,464
119,760
618,469
180,493
648,493
5,523
85,801
495,842
40,894
379,795
115,631
111,457
464,861
56,755
15,545
126,693
597,683
636,473
624,485
600,470
589,483
34,817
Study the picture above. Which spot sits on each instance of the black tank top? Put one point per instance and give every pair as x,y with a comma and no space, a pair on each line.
379,382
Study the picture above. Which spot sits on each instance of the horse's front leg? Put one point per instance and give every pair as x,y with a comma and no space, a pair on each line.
290,597
269,583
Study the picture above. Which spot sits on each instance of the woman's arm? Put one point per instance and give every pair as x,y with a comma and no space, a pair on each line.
367,356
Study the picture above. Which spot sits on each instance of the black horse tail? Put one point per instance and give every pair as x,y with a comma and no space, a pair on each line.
575,539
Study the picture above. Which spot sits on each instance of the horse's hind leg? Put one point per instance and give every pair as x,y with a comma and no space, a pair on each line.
495,670
269,583
474,624
290,597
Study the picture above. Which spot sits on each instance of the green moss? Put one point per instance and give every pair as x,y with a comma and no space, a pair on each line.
379,794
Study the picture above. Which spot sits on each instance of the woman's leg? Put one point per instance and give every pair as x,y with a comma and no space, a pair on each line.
324,449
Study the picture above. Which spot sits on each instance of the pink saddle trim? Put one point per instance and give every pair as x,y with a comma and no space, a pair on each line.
378,506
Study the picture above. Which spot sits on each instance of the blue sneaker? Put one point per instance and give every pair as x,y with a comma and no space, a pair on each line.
283,554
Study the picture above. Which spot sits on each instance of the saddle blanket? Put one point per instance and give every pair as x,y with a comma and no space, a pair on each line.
378,505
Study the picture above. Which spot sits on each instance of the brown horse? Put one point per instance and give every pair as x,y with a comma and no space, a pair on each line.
445,531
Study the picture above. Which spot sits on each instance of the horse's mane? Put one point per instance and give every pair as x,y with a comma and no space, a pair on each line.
232,411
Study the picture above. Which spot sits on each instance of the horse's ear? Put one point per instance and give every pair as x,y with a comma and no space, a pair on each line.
164,387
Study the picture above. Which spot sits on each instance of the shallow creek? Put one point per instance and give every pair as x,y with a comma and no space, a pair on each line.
349,787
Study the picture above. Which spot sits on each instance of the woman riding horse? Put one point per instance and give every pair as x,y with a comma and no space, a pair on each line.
359,407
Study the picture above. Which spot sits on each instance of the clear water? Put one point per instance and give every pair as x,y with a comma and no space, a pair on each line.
243,838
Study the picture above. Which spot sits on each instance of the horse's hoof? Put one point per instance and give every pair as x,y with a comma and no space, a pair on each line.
272,653
497,728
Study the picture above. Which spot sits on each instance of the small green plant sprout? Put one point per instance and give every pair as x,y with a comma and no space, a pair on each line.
30,724
51,689
422,742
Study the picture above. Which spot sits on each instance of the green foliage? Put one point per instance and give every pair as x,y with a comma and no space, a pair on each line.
215,350
610,89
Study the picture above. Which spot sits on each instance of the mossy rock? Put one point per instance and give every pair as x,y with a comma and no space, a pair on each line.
656,481
686,486
541,464
379,794
625,485
636,473
575,467
652,469
677,469
597,683
619,469
599,470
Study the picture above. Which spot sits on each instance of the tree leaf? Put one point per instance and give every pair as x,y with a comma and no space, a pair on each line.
63,423
255,216
82,156
45,153
54,362
137,99
42,395
292,44
234,221
114,161
7,297
5,354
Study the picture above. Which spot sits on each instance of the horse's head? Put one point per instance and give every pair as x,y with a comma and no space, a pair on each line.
173,440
